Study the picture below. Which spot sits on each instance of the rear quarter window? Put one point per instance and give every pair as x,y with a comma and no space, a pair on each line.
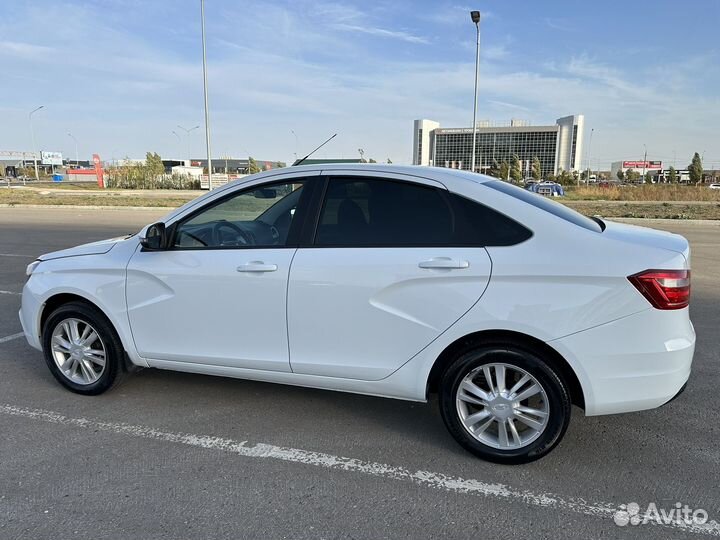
543,203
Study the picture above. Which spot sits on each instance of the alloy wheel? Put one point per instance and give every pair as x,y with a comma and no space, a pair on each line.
78,351
502,406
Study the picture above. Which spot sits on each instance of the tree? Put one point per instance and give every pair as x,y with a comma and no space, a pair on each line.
371,160
696,169
279,165
672,175
515,169
564,178
154,164
536,169
620,175
649,177
253,166
551,178
504,170
631,175
389,160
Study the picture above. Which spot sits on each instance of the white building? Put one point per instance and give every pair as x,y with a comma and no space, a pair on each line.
557,146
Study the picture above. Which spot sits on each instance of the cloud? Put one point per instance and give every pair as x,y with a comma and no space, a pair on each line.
24,50
382,32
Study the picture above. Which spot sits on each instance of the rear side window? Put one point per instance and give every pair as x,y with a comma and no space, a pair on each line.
543,203
378,212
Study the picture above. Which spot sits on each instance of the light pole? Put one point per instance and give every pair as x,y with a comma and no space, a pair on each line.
187,137
179,141
32,136
475,16
587,177
205,95
296,143
77,159
644,164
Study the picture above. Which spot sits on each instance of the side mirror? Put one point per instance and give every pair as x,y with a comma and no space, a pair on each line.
155,237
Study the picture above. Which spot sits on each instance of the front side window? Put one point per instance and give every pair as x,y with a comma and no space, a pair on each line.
260,216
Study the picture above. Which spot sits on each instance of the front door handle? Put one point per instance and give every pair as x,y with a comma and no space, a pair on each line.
257,266
444,262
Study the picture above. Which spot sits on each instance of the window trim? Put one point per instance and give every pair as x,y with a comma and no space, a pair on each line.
293,240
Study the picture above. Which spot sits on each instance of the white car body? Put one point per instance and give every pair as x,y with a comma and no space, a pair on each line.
370,320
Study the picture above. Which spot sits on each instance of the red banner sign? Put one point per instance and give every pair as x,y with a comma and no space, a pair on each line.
98,170
642,164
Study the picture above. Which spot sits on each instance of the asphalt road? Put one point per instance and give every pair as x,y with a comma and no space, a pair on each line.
169,455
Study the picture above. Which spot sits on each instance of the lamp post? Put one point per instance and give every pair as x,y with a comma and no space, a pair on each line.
296,143
644,164
179,141
77,159
475,16
205,95
587,177
32,136
187,137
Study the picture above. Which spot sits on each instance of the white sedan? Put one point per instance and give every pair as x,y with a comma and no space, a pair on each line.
389,281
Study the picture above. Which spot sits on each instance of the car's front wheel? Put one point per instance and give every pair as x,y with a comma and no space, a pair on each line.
82,349
504,404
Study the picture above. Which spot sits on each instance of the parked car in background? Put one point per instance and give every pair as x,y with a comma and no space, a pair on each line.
714,186
383,280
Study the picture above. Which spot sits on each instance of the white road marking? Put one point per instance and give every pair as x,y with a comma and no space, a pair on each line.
17,255
11,292
294,455
10,338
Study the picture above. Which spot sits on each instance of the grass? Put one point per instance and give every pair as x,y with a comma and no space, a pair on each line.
653,201
650,192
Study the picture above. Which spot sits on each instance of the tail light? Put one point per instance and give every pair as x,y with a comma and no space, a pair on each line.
664,289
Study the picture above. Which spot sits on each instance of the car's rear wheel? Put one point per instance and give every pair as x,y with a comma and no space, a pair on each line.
82,349
504,404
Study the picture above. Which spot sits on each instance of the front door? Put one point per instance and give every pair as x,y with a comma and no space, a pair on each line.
217,296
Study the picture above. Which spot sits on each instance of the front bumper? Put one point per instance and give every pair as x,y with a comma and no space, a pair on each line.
639,362
30,317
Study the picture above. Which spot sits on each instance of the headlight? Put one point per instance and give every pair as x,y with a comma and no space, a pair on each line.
31,267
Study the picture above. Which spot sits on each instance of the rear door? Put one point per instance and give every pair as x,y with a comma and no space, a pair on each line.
383,276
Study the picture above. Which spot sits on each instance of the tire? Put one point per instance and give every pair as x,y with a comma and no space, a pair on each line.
547,411
83,372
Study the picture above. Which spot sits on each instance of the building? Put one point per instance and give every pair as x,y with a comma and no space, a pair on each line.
558,146
640,166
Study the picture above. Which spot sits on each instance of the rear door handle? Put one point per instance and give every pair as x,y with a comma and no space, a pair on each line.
257,266
444,262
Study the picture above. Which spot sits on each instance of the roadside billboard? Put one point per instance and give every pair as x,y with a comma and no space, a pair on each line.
642,164
51,158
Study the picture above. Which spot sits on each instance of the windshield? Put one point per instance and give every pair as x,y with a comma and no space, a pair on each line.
546,204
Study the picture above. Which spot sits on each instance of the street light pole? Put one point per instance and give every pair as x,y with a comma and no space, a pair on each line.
644,164
179,141
475,16
32,136
77,159
296,143
587,177
187,137
205,95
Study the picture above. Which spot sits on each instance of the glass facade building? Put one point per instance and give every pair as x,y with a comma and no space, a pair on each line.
557,146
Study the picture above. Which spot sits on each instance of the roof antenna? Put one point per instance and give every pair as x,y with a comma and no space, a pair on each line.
298,162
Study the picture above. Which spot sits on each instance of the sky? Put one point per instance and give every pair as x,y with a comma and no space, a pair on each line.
122,75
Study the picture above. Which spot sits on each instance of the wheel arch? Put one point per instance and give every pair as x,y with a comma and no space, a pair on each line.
516,339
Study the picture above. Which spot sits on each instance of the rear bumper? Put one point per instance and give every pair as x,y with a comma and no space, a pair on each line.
639,362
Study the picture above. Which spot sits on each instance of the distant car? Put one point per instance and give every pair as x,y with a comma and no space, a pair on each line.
547,189
383,280
714,186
